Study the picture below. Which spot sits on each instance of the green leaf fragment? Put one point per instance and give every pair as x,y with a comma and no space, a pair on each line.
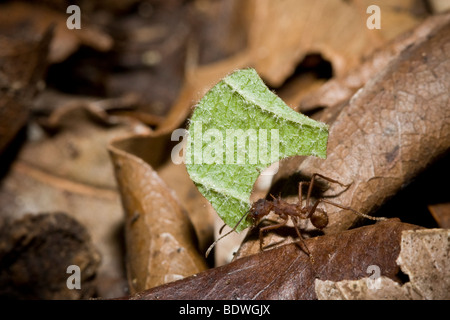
238,129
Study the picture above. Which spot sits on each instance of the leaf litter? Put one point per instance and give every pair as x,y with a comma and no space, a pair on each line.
181,76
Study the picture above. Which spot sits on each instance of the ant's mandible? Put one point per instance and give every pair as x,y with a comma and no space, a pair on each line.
296,211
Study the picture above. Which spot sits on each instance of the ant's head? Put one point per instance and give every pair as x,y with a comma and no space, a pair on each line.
260,209
319,219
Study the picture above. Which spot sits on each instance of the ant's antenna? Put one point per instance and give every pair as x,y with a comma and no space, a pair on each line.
234,229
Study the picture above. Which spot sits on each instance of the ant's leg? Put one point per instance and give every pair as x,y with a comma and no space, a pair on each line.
300,196
329,179
345,208
311,183
301,241
267,228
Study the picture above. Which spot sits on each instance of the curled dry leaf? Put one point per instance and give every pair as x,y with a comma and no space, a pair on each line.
424,257
161,215
286,272
198,208
160,238
56,105
340,89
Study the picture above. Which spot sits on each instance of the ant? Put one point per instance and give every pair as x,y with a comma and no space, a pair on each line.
317,216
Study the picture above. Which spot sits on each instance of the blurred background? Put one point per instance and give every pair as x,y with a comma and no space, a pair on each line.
138,67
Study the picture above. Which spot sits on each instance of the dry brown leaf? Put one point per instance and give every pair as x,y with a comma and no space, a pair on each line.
153,149
160,239
441,213
22,66
78,151
54,105
340,89
17,15
286,272
337,30
71,172
199,210
423,257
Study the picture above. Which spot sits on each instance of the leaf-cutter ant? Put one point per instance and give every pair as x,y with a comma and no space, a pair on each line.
296,211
